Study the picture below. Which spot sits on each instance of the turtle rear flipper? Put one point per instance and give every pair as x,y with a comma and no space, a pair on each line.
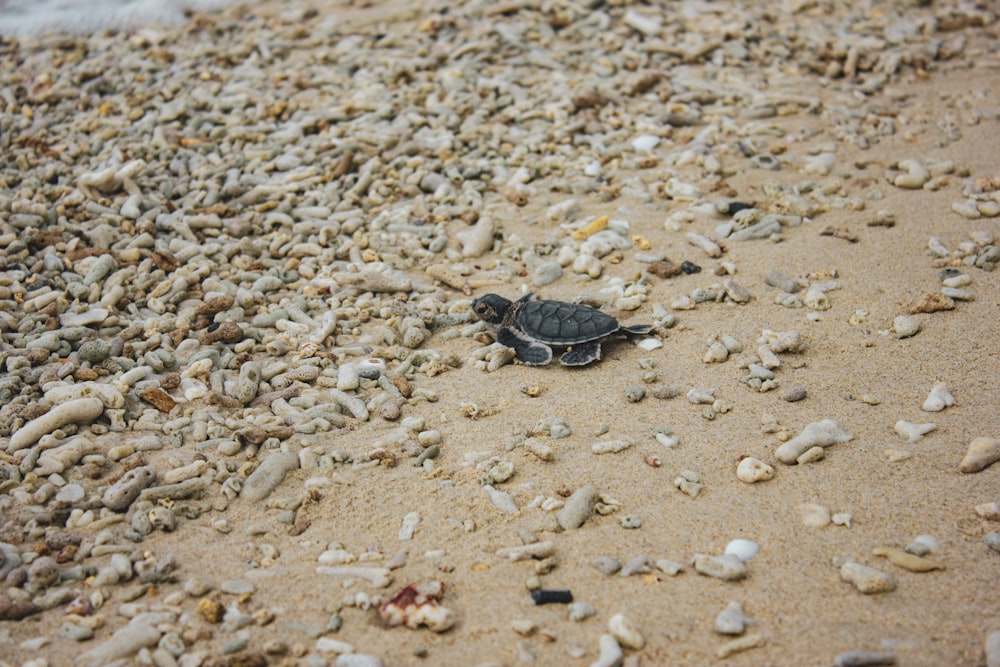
528,350
637,329
582,354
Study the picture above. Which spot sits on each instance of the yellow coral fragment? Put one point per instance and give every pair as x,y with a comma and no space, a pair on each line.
642,242
591,229
908,561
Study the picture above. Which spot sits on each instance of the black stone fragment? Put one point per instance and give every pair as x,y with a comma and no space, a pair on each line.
544,596
690,267
734,207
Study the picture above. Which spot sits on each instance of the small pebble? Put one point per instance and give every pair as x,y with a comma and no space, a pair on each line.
607,565
864,659
635,393
794,393
727,567
906,326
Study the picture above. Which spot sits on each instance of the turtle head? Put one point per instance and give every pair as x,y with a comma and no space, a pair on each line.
491,308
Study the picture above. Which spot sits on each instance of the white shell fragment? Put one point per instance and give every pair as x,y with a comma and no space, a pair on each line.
649,344
625,632
610,652
818,434
913,432
939,398
742,548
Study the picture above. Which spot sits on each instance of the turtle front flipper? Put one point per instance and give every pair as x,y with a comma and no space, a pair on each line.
528,350
582,354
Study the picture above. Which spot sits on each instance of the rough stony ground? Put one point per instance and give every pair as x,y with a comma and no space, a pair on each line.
299,159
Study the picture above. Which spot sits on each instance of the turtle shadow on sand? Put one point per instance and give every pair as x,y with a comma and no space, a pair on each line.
531,327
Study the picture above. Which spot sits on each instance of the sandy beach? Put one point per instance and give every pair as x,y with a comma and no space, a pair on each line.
257,235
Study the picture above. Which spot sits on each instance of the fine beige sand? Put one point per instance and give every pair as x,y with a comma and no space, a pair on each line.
805,614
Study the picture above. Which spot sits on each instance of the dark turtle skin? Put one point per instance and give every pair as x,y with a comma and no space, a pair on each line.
531,326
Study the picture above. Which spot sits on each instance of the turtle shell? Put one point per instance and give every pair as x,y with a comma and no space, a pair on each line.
558,323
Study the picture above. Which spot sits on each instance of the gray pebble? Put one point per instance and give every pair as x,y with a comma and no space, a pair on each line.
665,392
10,558
94,351
43,571
70,493
906,326
429,453
237,587
793,393
781,281
992,649
559,430
726,567
634,393
606,565
234,646
992,540
74,632
864,659
637,565
122,493
163,518
631,521
334,623
358,660
546,273
733,620
268,475
196,587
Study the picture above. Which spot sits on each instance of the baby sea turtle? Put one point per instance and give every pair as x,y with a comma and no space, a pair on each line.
530,327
